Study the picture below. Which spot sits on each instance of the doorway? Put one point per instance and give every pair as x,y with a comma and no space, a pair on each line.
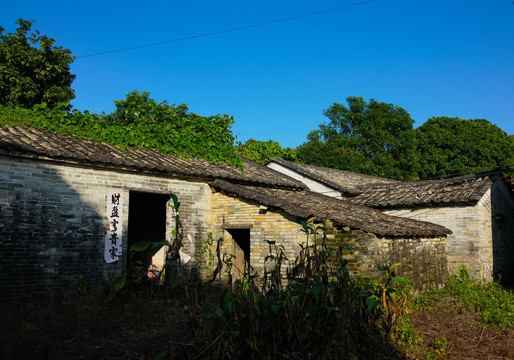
241,246
147,222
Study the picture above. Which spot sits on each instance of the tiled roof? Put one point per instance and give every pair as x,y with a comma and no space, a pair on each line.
35,143
257,182
345,181
305,203
460,190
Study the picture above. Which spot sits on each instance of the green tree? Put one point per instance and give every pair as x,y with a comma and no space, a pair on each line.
372,138
262,151
32,69
449,146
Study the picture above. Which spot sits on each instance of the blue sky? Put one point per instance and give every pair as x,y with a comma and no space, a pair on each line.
433,58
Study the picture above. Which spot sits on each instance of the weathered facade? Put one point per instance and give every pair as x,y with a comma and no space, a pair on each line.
53,221
66,203
374,238
479,210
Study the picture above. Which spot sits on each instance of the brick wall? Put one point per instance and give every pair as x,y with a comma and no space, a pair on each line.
235,212
471,241
53,222
423,259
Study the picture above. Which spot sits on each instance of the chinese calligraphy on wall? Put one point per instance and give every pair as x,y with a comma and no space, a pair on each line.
114,234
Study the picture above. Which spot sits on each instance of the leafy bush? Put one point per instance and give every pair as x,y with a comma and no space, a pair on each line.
494,303
437,349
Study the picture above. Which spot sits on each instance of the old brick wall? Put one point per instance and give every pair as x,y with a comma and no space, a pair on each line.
53,222
471,241
235,212
423,260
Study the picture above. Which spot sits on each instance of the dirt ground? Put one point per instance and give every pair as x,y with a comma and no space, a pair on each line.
76,329
79,330
467,339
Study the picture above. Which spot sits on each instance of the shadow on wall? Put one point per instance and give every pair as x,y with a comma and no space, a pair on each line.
50,238
503,236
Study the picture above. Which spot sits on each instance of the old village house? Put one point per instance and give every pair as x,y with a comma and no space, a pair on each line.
71,208
478,209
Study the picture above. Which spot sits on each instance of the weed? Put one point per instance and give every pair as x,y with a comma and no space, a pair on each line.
315,306
403,333
437,349
495,304
206,251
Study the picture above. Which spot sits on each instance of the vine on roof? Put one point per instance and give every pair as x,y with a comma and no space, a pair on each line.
138,122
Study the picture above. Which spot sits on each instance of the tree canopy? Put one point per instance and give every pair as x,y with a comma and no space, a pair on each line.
372,138
449,146
32,69
376,138
262,151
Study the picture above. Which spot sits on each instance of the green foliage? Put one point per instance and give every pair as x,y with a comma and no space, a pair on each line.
32,69
437,349
378,139
206,255
494,303
138,122
463,273
450,146
314,310
372,138
263,151
404,334
389,298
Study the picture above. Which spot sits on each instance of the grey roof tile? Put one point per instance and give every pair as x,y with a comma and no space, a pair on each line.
304,203
459,190
37,143
347,182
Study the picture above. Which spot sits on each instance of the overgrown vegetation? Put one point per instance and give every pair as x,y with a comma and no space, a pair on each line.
310,309
138,122
494,303
263,151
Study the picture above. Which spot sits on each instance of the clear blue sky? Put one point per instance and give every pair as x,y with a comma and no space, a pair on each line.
433,58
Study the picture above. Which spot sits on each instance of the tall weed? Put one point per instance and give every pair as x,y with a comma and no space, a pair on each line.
315,309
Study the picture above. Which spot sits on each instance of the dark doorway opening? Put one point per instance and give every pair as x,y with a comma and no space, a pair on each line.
147,222
241,245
